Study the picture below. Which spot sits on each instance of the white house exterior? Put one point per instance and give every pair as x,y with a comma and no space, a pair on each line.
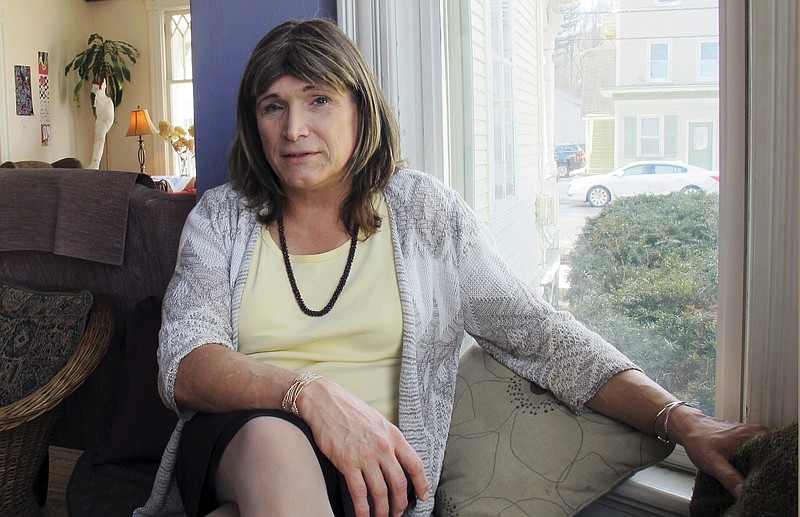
510,141
666,98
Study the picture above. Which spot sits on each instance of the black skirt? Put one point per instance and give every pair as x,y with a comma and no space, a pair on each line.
204,439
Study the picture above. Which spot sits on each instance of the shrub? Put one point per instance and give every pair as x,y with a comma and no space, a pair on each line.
644,276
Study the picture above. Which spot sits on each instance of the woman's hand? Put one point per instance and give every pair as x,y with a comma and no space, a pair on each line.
711,443
371,453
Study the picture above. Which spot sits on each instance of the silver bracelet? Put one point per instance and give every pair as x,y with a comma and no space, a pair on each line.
666,410
305,378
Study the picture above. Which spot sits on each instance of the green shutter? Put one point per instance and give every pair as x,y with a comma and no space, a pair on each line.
670,137
630,137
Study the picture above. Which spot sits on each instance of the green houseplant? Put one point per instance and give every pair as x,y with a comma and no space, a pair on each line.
103,61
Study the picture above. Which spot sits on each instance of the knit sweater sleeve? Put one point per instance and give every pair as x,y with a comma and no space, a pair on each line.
523,331
197,303
459,280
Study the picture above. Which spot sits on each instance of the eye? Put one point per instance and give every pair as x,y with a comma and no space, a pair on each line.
269,108
320,100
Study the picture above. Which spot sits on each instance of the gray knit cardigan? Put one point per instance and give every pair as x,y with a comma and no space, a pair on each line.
452,280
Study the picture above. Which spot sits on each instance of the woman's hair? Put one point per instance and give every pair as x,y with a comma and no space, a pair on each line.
318,52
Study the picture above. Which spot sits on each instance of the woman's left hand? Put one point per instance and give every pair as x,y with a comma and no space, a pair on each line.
711,443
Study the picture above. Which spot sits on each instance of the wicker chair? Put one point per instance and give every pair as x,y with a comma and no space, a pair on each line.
25,425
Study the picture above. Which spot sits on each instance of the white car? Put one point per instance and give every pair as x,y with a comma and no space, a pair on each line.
647,177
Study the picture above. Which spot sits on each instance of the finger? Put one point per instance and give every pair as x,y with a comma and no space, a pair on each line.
397,484
358,492
378,492
730,478
413,466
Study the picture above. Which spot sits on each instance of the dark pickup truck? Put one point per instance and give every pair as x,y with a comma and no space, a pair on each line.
568,158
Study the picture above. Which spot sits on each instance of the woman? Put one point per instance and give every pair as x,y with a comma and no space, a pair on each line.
313,326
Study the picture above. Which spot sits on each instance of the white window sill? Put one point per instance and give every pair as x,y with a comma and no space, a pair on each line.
652,491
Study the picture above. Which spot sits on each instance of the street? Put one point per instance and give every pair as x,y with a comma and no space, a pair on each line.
572,215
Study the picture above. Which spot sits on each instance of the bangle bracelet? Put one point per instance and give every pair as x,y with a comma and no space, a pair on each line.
289,403
666,410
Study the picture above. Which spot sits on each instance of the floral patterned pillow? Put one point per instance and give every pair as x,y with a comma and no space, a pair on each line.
38,334
515,450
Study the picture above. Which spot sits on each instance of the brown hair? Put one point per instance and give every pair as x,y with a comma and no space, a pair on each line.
316,51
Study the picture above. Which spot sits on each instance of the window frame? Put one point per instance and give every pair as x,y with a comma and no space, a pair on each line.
505,172
758,292
162,157
700,61
649,61
640,136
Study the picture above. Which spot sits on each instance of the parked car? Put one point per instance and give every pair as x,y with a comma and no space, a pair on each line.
568,158
645,177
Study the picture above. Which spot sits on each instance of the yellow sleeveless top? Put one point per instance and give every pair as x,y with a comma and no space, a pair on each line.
358,344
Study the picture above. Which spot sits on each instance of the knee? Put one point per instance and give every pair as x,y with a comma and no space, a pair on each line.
268,438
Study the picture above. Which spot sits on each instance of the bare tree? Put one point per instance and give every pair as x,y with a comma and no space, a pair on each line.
581,30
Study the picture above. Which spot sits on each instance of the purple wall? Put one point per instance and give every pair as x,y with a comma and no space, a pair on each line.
223,35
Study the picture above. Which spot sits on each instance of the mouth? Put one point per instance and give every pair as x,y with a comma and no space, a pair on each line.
298,155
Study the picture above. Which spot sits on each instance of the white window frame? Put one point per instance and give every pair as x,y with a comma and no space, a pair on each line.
506,199
640,136
758,306
159,108
700,61
402,41
649,61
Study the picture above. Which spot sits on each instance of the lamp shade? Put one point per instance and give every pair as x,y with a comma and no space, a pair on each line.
140,123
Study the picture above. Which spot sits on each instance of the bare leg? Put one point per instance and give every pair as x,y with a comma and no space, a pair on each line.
269,468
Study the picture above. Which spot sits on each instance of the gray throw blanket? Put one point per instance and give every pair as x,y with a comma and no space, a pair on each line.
769,464
77,213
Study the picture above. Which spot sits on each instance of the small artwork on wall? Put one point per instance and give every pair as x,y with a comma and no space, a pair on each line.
22,77
44,98
43,66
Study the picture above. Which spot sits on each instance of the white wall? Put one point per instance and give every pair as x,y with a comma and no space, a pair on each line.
61,28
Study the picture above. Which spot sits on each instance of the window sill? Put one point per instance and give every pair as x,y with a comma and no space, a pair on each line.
652,491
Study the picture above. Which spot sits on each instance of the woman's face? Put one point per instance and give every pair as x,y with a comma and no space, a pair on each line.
308,132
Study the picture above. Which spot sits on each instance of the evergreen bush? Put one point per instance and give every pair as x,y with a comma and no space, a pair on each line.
644,276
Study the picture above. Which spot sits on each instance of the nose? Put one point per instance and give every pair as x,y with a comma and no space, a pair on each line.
295,124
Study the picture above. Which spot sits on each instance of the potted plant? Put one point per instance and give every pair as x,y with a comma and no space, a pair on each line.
103,62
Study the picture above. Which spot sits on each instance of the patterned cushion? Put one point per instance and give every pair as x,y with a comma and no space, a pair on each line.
39,334
515,450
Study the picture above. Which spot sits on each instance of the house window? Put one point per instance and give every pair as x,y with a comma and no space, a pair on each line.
502,84
649,136
745,301
170,28
180,96
658,61
708,61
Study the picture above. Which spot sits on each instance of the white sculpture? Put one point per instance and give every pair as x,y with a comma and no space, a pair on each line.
104,110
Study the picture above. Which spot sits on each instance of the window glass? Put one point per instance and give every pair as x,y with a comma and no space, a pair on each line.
709,60
179,92
644,273
502,100
650,131
659,61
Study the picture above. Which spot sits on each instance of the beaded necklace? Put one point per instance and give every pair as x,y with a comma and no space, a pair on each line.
297,296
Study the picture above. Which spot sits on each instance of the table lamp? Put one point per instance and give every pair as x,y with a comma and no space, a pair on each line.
141,125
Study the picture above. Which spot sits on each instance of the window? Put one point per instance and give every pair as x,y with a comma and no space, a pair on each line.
170,30
754,300
650,136
180,96
502,100
658,61
708,61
